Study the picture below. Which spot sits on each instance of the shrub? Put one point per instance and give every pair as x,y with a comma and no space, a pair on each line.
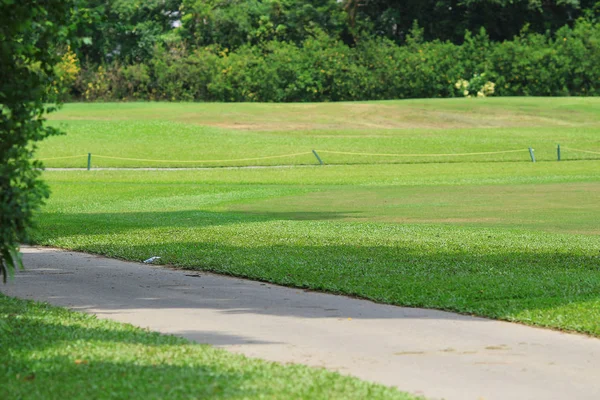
322,68
528,66
136,81
180,76
579,52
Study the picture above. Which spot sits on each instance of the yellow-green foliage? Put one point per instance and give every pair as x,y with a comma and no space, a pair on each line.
97,88
67,71
477,86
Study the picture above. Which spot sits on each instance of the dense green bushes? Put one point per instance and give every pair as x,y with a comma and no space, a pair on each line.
326,69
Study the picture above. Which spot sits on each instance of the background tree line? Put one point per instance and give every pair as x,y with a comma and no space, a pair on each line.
320,50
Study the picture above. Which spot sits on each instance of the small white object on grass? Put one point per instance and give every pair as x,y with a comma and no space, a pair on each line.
151,260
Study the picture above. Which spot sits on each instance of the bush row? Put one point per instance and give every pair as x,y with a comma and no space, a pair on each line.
324,69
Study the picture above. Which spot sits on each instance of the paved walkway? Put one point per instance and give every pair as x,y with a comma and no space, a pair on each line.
437,354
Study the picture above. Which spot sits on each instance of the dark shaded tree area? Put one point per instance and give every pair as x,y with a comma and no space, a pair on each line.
128,31
232,24
329,50
449,19
33,34
124,30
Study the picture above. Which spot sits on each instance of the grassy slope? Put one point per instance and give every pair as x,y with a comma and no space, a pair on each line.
513,248
204,132
512,240
431,113
52,353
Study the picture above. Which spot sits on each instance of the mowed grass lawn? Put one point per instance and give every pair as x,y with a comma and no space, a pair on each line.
512,240
505,246
188,134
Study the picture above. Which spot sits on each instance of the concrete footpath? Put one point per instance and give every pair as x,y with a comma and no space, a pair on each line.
432,353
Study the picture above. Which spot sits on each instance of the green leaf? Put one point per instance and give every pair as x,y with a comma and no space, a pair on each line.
4,327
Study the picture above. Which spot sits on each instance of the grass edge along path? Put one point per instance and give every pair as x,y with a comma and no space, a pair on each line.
51,352
332,236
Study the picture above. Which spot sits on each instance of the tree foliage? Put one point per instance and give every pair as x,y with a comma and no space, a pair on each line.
449,19
128,31
124,31
232,24
322,68
29,32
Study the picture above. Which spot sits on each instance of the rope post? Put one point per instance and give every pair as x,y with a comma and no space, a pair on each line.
89,161
531,154
558,152
318,158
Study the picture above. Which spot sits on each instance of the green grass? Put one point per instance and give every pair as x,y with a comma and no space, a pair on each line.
512,241
431,113
491,235
52,353
212,134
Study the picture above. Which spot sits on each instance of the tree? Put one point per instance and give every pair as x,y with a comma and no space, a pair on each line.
449,19
126,31
234,23
29,33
